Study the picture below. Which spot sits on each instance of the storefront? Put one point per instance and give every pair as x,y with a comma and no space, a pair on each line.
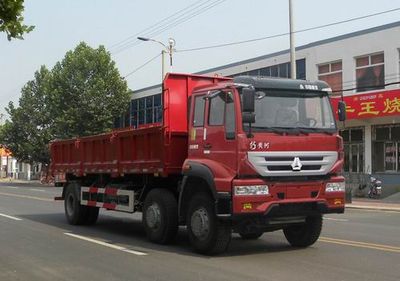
371,135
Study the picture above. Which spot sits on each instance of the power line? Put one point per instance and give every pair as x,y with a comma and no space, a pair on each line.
167,23
143,65
188,17
156,24
174,22
263,38
286,33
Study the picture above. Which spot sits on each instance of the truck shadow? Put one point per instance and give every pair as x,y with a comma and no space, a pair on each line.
129,233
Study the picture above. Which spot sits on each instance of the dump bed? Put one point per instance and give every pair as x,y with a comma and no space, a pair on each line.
158,148
147,150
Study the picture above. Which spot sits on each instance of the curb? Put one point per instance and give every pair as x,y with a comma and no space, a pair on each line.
377,208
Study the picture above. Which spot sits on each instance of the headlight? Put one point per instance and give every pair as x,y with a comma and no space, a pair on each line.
335,187
252,190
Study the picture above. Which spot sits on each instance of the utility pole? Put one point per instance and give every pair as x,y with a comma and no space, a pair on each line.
292,47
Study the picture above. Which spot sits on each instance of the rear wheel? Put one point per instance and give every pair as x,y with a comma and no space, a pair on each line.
92,215
306,234
160,216
75,213
206,234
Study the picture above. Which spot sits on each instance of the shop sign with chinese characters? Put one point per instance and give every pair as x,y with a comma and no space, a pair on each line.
384,103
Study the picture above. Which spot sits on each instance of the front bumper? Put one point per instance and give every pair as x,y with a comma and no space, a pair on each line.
288,199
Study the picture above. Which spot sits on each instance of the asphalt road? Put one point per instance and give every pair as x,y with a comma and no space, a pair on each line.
36,243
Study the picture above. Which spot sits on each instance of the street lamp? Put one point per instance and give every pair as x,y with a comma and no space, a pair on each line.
166,49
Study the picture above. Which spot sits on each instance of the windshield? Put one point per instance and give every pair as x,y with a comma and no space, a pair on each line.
288,109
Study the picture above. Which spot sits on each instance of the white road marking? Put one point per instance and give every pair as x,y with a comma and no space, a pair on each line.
10,187
123,249
332,219
27,197
34,189
10,217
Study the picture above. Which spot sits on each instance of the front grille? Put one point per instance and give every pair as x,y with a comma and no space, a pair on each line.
291,158
289,168
279,163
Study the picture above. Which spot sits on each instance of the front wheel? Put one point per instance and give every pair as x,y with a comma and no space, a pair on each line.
206,234
306,234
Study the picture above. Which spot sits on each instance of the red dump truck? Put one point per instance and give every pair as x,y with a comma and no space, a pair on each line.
247,155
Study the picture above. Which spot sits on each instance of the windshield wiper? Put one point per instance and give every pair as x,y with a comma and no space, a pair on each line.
316,130
278,130
282,130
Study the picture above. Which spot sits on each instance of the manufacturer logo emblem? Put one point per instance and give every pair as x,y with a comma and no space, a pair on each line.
296,165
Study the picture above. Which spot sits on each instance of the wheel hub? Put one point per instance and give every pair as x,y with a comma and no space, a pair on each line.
153,216
200,224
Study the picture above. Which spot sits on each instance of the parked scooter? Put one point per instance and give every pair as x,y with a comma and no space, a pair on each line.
375,187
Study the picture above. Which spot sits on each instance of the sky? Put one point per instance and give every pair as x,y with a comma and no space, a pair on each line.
61,24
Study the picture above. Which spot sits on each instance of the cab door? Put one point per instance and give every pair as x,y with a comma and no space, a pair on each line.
196,126
219,135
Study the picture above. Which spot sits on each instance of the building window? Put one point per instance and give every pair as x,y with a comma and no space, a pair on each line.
157,109
386,148
301,69
149,110
146,110
134,113
331,73
353,150
142,111
370,72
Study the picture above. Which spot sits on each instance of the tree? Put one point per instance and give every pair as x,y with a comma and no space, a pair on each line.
87,87
11,19
29,130
82,95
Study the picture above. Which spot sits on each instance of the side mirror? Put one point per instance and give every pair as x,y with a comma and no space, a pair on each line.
342,111
248,117
248,100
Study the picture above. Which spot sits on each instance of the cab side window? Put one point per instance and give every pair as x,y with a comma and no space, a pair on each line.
217,110
222,111
198,118
230,126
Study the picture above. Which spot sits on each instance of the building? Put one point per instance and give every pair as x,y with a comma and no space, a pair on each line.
364,66
11,168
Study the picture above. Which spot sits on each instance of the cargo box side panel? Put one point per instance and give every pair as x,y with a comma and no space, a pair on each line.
176,153
141,150
64,157
98,154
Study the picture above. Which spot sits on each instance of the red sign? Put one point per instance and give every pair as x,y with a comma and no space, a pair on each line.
379,104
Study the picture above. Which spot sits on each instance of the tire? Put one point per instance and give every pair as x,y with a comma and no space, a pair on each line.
304,235
251,235
160,216
91,215
75,213
206,234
